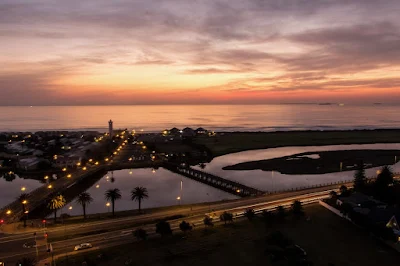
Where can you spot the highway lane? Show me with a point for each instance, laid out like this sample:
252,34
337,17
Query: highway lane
121,236
184,210
12,244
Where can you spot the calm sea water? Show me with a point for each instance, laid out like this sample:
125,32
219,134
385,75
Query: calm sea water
214,117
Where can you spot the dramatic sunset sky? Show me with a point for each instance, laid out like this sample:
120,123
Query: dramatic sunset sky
66,52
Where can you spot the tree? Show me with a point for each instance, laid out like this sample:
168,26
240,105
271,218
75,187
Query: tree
281,212
185,226
385,178
56,203
26,262
267,216
208,221
138,194
250,214
226,217
333,195
297,208
23,200
140,234
359,178
163,228
113,195
84,199
344,191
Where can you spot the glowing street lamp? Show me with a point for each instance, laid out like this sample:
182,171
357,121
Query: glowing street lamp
97,186
8,212
70,208
84,168
96,163
49,186
64,169
25,202
46,177
23,188
69,175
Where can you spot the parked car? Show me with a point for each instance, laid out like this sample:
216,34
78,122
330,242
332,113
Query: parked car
83,246
29,245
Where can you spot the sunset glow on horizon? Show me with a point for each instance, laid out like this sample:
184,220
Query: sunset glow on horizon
199,52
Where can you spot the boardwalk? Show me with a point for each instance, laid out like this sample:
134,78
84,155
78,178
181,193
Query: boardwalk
214,181
39,197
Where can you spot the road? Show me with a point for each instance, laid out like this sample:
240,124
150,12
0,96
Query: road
109,233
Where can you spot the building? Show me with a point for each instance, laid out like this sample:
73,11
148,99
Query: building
110,128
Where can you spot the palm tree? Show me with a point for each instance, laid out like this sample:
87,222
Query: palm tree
113,195
139,193
84,199
23,200
56,203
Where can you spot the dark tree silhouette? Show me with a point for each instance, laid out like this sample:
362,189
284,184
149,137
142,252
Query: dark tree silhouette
344,191
281,212
138,194
84,199
140,234
26,262
385,178
185,226
267,216
297,209
163,228
208,221
226,217
113,195
250,214
359,178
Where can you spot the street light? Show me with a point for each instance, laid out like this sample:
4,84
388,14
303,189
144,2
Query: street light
108,205
70,208
97,186
25,202
23,188
69,175
8,212
50,186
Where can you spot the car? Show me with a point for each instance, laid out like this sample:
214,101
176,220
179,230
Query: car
83,246
29,245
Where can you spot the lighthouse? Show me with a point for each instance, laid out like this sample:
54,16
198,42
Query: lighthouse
110,128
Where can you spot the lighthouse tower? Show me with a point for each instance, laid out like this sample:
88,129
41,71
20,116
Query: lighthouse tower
110,128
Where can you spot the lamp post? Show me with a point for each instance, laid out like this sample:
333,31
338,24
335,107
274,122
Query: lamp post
108,205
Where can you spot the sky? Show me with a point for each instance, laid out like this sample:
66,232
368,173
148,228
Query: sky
57,52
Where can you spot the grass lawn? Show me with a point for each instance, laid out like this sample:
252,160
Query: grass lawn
326,238
241,141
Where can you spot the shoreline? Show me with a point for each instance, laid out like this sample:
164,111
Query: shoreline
233,142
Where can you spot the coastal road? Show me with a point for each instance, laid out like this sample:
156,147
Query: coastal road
11,246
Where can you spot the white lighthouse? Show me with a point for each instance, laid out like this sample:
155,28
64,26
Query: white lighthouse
110,128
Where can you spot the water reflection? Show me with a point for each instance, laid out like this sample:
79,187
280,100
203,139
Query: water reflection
164,189
274,181
12,185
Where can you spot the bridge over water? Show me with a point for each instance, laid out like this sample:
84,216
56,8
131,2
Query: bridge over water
229,186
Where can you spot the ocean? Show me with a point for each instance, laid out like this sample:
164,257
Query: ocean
154,118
